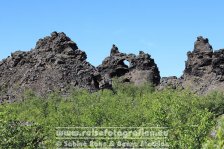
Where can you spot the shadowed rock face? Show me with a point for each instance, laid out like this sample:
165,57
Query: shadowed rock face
140,69
204,69
55,63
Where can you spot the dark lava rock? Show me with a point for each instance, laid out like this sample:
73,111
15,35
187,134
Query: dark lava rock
170,82
55,63
130,68
204,70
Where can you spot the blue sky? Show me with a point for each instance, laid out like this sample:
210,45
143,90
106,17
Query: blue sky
164,29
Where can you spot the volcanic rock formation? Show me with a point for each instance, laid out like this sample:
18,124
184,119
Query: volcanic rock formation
138,70
55,63
204,70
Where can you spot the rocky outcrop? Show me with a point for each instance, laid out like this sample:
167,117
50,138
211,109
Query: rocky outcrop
204,70
170,82
55,63
130,68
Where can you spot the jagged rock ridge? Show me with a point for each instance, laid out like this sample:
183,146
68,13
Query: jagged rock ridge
139,69
204,69
56,63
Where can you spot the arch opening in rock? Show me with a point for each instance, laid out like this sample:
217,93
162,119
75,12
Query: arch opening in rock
127,63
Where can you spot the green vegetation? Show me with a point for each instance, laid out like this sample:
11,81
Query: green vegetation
189,117
216,138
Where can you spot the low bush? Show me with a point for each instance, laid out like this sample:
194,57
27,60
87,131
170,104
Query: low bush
188,117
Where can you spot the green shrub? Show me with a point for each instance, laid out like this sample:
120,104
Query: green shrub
189,117
16,134
216,137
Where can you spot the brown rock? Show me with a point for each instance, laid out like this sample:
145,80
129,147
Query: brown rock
54,64
204,70
141,68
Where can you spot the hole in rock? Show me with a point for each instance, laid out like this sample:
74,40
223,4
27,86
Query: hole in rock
127,63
